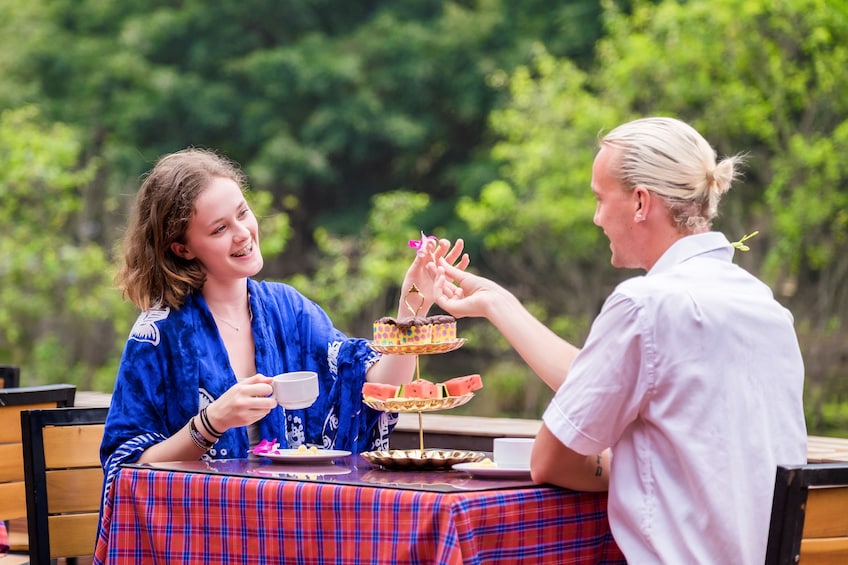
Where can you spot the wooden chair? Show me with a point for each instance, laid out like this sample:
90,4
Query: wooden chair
809,516
64,480
12,490
10,376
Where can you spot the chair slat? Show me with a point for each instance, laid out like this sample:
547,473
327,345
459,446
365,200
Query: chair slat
825,514
11,462
84,439
74,490
10,420
18,541
13,496
72,534
824,551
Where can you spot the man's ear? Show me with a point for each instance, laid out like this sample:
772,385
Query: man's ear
180,250
642,202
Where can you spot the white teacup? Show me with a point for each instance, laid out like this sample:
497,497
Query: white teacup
297,389
513,452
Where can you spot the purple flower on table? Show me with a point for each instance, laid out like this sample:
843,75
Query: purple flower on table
266,446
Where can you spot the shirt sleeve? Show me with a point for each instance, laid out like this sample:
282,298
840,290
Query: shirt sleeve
608,381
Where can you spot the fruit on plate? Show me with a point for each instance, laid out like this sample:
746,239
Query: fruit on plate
420,389
459,386
380,391
424,389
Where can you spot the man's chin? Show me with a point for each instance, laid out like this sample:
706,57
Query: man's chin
615,262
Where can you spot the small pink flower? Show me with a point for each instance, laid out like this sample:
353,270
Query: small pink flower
266,446
421,245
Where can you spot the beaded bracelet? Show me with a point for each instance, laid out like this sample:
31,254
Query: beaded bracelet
199,440
204,420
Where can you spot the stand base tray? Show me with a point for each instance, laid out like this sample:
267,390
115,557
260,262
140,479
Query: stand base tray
421,458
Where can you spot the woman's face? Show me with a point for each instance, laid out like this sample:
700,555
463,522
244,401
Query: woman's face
223,234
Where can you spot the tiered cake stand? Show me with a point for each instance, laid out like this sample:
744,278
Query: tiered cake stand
419,458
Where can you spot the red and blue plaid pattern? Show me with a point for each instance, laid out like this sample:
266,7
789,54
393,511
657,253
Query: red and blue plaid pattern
173,517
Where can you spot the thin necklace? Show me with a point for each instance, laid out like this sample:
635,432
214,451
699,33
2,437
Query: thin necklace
232,325
217,317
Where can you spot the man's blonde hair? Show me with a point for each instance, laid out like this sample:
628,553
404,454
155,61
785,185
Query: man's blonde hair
672,160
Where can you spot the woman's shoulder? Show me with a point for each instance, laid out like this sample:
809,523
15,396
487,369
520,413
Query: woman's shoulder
286,302
148,326
153,324
276,291
269,287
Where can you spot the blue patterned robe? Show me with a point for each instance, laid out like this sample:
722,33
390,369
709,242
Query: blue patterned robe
175,363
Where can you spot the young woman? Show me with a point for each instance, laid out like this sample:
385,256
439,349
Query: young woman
195,376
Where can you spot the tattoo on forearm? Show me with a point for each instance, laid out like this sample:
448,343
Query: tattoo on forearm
599,470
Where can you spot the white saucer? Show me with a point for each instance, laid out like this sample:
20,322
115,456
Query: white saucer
492,472
297,456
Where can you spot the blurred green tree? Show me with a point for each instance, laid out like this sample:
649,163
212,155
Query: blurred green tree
752,76
367,122
57,313
325,103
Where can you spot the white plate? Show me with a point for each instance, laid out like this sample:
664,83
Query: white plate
489,471
420,349
297,456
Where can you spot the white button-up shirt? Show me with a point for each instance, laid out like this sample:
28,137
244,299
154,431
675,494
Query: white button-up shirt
693,375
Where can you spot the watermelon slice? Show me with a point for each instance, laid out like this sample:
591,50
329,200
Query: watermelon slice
420,389
459,386
379,391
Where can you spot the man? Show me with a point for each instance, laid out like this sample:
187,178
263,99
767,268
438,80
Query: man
688,391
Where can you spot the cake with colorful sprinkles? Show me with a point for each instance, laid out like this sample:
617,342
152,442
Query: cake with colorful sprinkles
444,328
403,331
414,330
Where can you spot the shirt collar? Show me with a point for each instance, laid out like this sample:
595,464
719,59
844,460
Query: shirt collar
711,243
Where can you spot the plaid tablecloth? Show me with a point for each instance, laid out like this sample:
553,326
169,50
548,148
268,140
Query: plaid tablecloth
176,517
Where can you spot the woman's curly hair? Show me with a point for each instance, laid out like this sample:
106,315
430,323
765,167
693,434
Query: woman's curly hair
152,274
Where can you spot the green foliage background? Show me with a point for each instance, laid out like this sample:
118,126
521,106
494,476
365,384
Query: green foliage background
362,123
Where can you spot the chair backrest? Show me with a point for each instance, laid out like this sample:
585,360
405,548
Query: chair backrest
809,520
12,490
10,376
64,480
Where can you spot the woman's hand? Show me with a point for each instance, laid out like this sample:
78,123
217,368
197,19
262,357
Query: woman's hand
422,274
244,403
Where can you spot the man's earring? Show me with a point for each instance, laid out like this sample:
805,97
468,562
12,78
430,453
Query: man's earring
639,216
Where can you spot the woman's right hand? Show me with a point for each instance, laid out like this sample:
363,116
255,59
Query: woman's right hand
244,403
421,274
